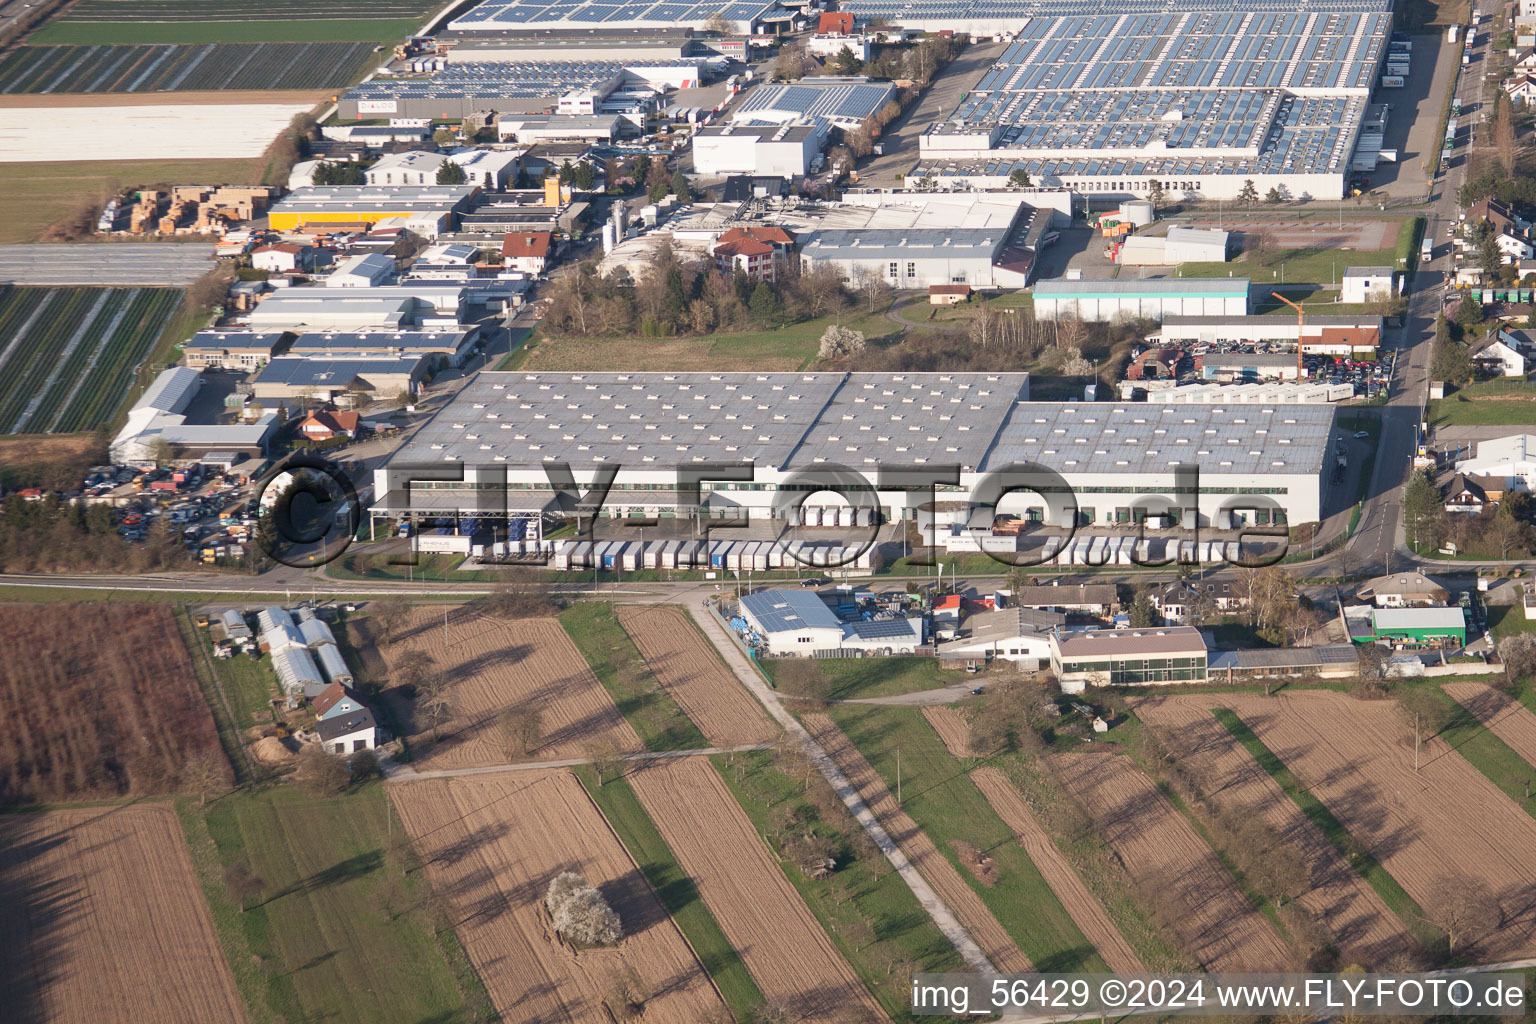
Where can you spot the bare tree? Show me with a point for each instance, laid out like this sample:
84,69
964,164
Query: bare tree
322,773
838,341
433,705
203,773
1373,660
389,614
1464,907
605,759
520,730
413,669
1518,652
242,884
579,912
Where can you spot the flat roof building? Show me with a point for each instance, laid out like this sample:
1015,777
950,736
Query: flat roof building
783,151
735,15
323,205
1128,657
845,102
326,379
160,415
1152,299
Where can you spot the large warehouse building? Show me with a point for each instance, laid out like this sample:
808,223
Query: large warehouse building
492,451
762,151
1198,96
745,16
1153,298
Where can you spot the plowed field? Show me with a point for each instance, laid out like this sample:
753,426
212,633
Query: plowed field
1447,818
1509,720
952,729
1339,898
942,875
779,941
1057,872
492,665
694,676
1162,851
103,921
491,844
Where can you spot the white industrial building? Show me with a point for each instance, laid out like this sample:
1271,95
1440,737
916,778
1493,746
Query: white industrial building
1180,245
986,244
786,151
1362,284
1151,299
1199,97
490,452
488,168
1018,635
1510,460
528,129
798,622
160,415
368,270
1128,657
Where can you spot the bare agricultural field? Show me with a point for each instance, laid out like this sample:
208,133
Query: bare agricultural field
694,675
952,729
491,665
1163,853
779,941
1507,719
1057,872
492,843
1445,820
96,720
945,879
1340,899
104,921
146,132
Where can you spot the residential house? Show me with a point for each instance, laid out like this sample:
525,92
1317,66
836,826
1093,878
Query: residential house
1018,635
527,251
1501,354
348,733
284,258
1405,590
756,251
1465,494
323,424
1183,602
337,701
1520,87
1091,600
414,167
948,294
1512,231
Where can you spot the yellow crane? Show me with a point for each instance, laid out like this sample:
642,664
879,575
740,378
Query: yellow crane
1301,318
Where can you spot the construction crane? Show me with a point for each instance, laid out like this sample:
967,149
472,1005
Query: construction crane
1301,319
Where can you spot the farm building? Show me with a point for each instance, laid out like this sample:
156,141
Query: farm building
160,415
1404,590
1326,661
784,151
321,206
235,626
349,733
297,674
278,630
1196,98
1118,459
1128,657
1019,635
1152,299
792,621
1093,599
1409,627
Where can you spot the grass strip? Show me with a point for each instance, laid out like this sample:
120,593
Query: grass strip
1352,850
618,665
638,833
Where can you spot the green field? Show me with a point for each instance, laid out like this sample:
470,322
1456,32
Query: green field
942,800
845,678
69,356
165,67
1311,265
617,663
1499,403
340,931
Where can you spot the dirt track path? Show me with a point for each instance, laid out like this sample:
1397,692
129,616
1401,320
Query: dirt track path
781,944
1162,852
693,674
1507,719
1444,821
931,864
1360,922
1089,917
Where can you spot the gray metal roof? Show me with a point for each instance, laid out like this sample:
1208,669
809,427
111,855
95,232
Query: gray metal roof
838,100
783,611
301,371
1160,287
883,629
1283,657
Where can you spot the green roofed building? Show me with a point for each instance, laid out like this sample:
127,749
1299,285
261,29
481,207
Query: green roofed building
1412,627
1154,298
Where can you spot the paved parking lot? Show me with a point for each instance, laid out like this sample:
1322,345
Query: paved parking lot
146,264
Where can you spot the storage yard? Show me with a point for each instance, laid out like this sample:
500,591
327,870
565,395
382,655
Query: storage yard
778,939
100,720
1357,758
695,677
150,68
491,665
104,921
1170,862
492,844
69,356
1338,897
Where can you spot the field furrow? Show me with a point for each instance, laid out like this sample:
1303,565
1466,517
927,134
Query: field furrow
778,939
1058,873
952,729
943,876
491,844
692,672
1507,719
1339,898
1172,864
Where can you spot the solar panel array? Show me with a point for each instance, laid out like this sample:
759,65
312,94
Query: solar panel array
1005,15
837,102
506,79
496,14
